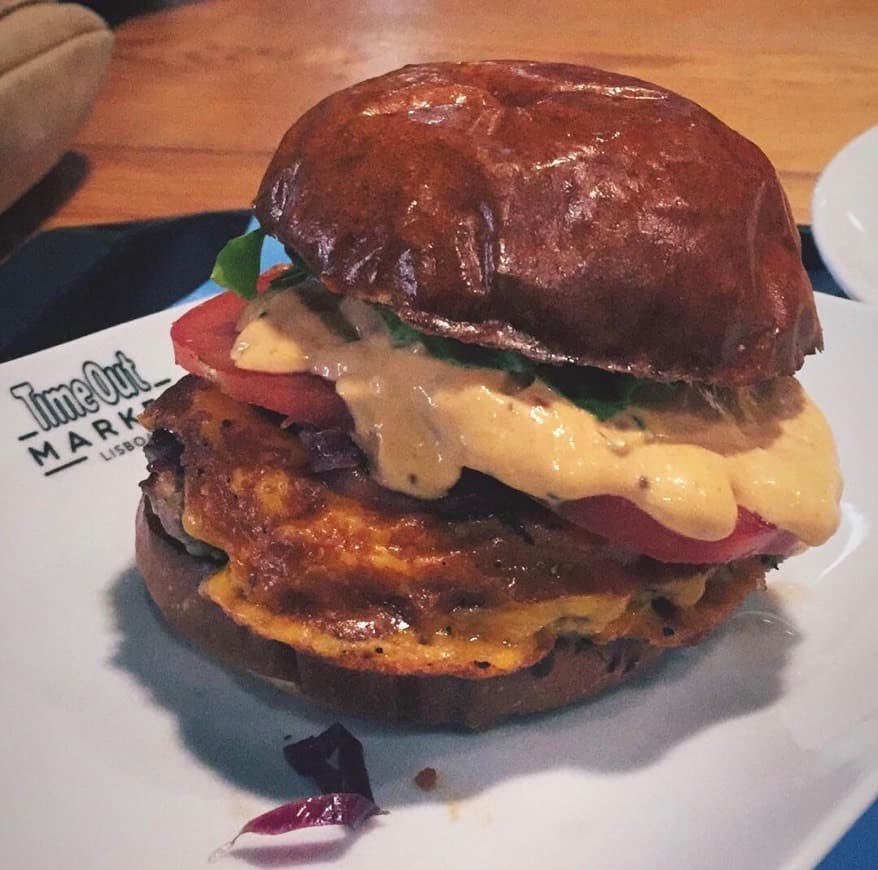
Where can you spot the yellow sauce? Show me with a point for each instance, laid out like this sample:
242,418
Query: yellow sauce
686,463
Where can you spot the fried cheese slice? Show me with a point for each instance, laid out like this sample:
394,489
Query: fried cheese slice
376,587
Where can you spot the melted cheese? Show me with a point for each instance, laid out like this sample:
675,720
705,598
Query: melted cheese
503,639
686,463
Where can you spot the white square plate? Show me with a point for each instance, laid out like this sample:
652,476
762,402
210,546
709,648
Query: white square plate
124,748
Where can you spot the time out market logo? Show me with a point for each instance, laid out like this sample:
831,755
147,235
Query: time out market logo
93,415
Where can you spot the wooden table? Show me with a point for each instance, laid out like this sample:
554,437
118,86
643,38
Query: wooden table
197,97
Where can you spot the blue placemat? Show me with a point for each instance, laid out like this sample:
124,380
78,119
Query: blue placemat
74,281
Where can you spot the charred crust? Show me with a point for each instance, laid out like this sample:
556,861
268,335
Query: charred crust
544,667
632,662
613,662
663,607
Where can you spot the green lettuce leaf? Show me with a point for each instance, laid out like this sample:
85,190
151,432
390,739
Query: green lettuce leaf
603,394
455,352
401,334
237,265
473,356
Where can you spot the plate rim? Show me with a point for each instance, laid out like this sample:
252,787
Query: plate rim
847,276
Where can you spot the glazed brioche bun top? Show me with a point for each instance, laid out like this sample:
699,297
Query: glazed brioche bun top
564,212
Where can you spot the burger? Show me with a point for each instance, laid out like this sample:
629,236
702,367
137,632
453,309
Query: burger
518,415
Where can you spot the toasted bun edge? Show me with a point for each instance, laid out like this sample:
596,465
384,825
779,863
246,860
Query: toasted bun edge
563,212
573,670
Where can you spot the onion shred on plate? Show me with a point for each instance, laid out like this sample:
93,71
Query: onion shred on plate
346,794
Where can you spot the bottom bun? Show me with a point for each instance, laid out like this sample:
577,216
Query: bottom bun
574,669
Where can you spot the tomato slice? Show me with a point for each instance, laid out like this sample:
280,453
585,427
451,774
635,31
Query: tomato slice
203,338
263,282
622,522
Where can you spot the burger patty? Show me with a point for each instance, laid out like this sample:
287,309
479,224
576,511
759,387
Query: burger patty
332,565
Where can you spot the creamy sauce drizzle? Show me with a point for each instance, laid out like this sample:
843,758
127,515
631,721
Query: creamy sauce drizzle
687,464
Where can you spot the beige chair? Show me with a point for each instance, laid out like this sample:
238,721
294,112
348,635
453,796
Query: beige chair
52,59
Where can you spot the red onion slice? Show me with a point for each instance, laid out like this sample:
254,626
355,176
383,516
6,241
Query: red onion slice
347,794
312,756
330,449
350,810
